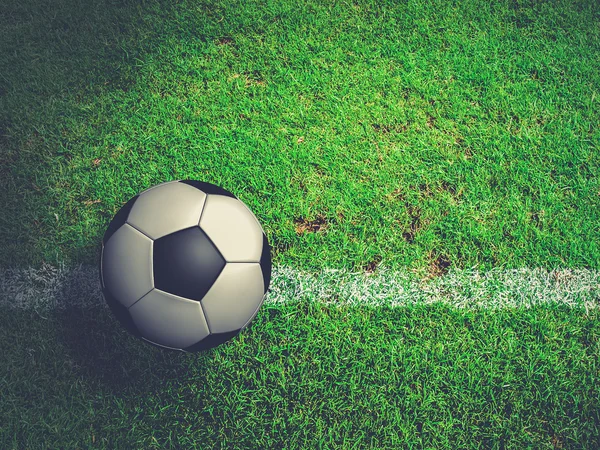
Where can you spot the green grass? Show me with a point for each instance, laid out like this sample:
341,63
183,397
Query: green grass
309,376
419,135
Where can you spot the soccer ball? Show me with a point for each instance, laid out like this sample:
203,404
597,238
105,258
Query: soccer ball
185,265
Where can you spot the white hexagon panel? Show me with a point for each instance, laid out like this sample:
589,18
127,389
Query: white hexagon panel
234,297
171,321
127,252
167,208
233,228
185,265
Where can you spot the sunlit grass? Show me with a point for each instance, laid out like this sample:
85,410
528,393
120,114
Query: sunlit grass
425,135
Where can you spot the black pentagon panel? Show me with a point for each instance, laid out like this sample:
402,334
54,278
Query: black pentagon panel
208,188
119,219
212,340
100,265
186,263
121,313
265,262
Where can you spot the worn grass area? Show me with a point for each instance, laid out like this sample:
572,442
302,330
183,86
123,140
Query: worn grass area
423,135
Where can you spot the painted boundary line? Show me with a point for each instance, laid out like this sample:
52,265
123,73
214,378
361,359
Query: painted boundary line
53,287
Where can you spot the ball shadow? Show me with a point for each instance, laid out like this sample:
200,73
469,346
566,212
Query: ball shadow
105,354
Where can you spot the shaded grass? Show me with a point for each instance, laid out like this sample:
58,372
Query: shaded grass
426,135
306,375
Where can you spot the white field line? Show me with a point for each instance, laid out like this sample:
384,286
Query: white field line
53,287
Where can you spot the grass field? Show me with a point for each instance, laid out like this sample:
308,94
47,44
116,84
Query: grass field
426,173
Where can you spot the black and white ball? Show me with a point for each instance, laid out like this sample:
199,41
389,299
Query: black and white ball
185,265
